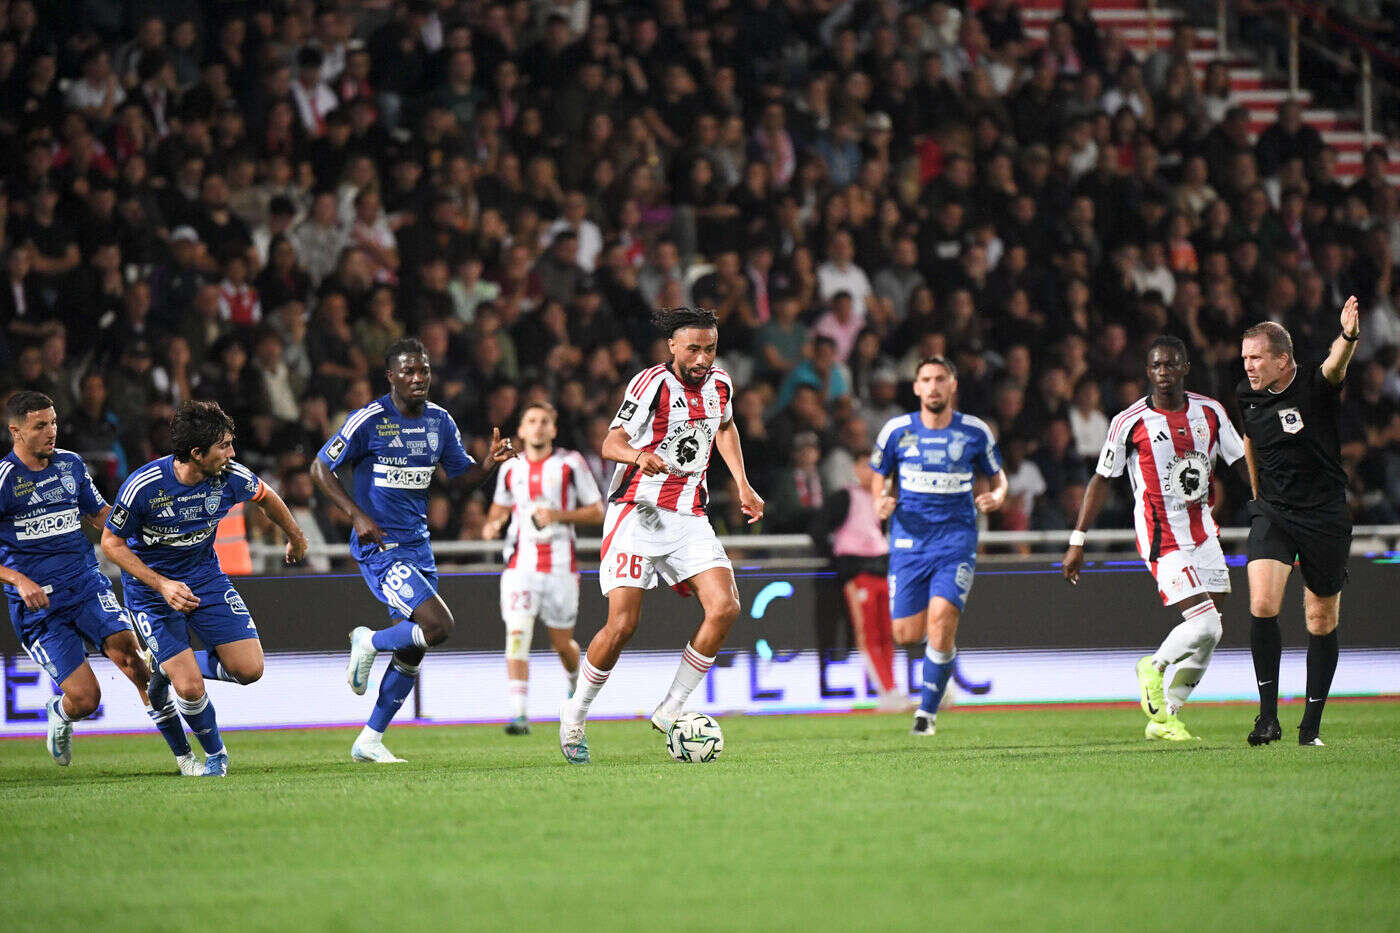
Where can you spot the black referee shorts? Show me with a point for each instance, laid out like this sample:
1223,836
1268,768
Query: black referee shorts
1321,557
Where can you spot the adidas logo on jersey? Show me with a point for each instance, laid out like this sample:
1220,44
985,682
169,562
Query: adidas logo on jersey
396,442
679,402
35,500
1161,436
166,512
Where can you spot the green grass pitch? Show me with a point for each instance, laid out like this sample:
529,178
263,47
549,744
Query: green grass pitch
1055,818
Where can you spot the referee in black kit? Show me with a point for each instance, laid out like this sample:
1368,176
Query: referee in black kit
1299,510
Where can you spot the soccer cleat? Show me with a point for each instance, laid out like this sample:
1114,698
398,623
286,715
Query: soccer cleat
362,653
520,725
59,740
924,725
1265,730
373,750
1309,737
158,689
573,741
664,718
190,766
1150,690
1170,730
216,765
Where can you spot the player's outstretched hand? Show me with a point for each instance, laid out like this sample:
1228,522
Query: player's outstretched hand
1351,314
296,549
1072,562
501,448
179,596
885,506
651,464
752,504
32,593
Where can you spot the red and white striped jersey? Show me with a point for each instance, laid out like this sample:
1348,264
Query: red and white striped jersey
560,481
1169,456
678,423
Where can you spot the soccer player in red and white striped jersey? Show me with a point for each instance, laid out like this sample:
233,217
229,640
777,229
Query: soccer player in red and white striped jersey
544,495
672,418
1168,443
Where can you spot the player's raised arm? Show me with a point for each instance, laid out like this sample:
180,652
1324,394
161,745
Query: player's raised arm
727,442
501,450
1089,509
1334,368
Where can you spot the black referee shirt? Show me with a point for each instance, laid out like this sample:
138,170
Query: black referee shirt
1297,449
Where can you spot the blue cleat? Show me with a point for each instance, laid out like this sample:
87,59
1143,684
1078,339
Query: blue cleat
159,688
216,765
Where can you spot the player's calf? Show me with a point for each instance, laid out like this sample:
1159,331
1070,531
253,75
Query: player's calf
435,620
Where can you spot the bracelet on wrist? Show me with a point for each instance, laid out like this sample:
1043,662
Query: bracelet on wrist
1351,338
1076,538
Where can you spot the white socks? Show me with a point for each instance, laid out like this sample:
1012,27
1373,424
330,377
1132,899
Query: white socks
693,668
519,691
590,681
1189,646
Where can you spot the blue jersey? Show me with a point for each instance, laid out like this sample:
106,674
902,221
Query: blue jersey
394,458
171,526
935,472
41,532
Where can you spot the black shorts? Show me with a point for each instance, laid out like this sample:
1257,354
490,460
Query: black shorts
1321,557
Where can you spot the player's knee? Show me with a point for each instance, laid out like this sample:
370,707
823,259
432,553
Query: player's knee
1262,607
1320,622
249,673
187,688
726,612
623,624
84,701
519,633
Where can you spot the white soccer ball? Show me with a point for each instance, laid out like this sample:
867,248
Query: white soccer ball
694,737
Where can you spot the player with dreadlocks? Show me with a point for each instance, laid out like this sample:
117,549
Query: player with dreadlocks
673,416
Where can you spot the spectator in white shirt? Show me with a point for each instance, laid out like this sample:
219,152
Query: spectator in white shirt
98,93
314,98
575,218
840,274
1087,421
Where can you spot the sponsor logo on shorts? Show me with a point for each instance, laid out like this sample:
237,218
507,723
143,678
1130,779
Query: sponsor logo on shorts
962,579
108,601
235,602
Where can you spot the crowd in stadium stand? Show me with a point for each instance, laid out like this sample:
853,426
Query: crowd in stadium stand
250,201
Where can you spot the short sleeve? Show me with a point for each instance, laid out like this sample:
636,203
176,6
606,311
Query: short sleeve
454,460
351,442
726,413
503,496
1231,444
988,461
1114,456
244,484
635,410
882,457
129,508
90,501
584,483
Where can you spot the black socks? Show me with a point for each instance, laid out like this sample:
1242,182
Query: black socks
1266,645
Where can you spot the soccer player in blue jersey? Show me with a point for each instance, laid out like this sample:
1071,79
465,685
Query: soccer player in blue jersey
161,534
57,595
394,445
926,464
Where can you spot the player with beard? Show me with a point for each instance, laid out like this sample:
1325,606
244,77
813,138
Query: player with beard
1167,443
1292,443
672,417
925,464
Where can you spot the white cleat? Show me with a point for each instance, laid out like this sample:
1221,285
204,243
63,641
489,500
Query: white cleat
664,718
190,766
362,654
59,740
573,738
369,746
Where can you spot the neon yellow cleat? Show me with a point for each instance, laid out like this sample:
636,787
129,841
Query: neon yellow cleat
1150,690
1172,730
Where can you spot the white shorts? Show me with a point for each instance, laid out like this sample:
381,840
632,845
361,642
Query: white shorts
550,597
642,542
1191,570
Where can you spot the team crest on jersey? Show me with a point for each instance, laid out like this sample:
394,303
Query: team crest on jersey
1200,430
1188,476
211,502
70,485
1291,419
957,443
433,440
685,446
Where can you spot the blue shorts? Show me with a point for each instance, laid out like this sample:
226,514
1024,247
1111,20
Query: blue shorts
54,636
915,578
402,577
222,616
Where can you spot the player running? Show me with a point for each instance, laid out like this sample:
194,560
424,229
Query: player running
673,416
45,494
1168,442
394,445
543,494
1293,448
937,452
161,534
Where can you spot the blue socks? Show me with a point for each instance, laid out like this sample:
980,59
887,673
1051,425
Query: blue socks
167,720
938,667
200,716
405,634
393,690
211,669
